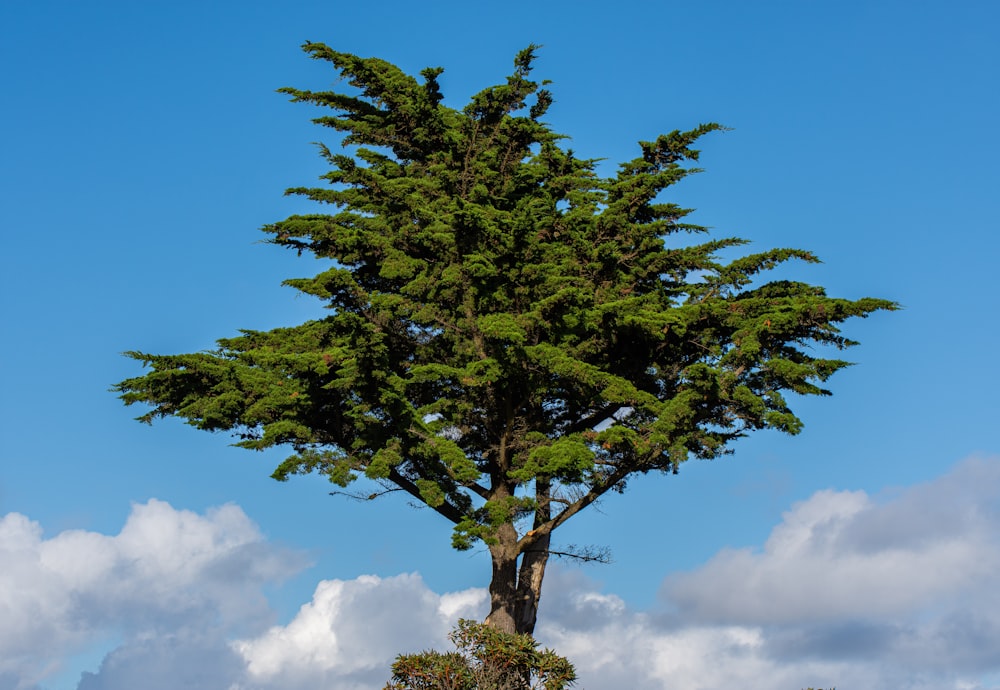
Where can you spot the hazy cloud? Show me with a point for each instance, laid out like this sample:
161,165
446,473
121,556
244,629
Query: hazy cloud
166,662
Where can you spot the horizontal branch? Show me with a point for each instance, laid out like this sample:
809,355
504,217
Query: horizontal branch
445,509
588,554
359,496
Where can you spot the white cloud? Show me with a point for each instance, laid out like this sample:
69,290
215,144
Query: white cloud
353,629
842,555
851,591
346,637
167,570
184,593
900,590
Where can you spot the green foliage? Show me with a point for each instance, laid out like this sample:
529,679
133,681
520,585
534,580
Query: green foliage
492,301
487,659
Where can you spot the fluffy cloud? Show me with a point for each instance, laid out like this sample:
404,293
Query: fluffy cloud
844,556
912,581
351,630
166,572
900,590
184,594
346,638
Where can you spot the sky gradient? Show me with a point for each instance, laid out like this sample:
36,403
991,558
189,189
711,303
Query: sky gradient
142,146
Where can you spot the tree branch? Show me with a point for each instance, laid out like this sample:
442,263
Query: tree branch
585,554
595,493
445,509
477,488
359,496
594,419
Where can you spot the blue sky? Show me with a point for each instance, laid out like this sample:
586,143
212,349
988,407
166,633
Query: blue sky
142,145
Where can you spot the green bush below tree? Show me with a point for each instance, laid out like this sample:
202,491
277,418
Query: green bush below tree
486,659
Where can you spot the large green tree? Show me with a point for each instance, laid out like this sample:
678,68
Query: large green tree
511,335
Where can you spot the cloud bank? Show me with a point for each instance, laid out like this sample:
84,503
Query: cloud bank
851,590
168,577
848,590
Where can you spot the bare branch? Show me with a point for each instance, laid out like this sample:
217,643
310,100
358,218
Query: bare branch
362,497
584,554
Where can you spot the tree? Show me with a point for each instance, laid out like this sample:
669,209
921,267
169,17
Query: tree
487,659
511,336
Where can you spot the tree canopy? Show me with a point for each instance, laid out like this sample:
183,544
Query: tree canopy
511,335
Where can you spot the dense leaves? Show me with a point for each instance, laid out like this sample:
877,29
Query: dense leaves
510,336
487,659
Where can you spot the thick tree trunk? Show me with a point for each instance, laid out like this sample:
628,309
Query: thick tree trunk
515,594
503,586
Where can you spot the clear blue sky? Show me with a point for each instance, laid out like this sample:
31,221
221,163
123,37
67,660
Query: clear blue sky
142,145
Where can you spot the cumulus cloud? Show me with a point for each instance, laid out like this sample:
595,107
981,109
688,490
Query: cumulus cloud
912,580
166,571
184,593
844,555
346,637
351,630
897,590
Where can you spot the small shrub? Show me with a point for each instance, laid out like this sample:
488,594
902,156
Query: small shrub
487,659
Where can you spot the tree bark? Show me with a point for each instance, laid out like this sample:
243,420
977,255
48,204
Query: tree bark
503,586
515,593
534,560
529,585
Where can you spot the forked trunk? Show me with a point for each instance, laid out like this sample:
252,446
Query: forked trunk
514,595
